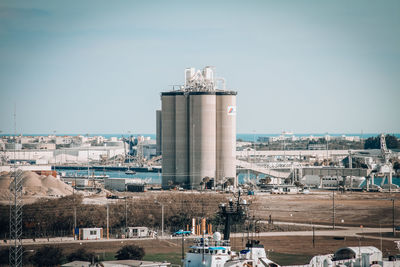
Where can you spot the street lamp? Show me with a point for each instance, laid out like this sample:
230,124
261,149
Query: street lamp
162,217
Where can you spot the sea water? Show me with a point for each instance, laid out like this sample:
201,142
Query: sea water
156,177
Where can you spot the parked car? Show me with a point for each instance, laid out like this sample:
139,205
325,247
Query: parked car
181,232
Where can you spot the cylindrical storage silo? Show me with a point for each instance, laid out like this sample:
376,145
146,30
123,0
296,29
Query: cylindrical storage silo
168,138
226,135
158,132
181,139
203,136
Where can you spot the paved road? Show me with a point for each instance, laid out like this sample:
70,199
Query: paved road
350,232
307,225
340,231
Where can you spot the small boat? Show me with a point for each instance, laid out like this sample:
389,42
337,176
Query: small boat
130,172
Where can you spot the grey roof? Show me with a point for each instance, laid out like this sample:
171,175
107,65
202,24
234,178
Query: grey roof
363,250
118,263
135,263
77,264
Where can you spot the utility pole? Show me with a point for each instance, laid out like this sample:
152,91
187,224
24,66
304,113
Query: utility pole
394,228
73,195
203,261
107,221
313,236
162,220
126,210
74,222
380,234
162,217
183,249
126,214
333,209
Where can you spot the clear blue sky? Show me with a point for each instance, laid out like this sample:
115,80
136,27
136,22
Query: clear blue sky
99,66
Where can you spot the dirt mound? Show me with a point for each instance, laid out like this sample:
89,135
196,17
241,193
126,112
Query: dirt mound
4,186
36,185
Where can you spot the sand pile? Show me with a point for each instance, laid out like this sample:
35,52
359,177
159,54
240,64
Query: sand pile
35,185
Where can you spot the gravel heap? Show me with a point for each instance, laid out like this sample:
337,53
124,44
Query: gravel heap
35,185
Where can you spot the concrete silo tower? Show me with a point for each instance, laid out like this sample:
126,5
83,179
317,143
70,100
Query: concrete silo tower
197,131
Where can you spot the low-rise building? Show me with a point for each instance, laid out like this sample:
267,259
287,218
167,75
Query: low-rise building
90,233
121,184
131,232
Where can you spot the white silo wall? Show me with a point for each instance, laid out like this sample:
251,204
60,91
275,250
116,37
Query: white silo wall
203,137
181,139
168,139
226,136
158,132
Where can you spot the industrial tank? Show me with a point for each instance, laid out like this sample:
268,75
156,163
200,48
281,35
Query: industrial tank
198,131
202,137
226,135
168,138
158,132
181,138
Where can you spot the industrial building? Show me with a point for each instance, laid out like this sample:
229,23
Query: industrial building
125,184
196,131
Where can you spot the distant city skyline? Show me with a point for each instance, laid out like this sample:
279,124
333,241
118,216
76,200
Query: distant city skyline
301,66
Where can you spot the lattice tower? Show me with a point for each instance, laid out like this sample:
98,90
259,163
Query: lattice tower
16,204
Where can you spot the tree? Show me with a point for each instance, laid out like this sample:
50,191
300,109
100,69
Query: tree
204,181
130,252
392,142
4,256
170,183
372,143
228,182
396,166
48,256
375,142
81,255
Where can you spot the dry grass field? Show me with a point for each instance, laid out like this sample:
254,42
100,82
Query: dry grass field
354,208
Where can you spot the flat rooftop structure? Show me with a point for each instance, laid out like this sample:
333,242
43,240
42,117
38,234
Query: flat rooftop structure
182,92
296,153
131,263
335,172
